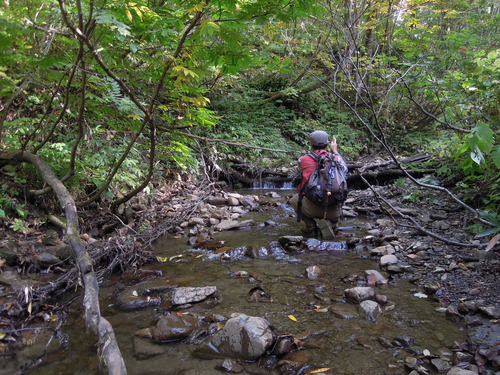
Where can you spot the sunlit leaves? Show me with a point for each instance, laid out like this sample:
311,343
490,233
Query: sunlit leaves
209,27
185,73
106,18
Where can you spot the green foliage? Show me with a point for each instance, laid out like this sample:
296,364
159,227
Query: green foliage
19,226
216,81
482,230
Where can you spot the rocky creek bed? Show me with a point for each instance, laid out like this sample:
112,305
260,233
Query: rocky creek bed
237,289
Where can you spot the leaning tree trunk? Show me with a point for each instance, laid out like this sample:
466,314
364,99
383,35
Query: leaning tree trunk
108,346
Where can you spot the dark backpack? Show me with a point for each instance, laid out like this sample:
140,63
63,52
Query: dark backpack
328,183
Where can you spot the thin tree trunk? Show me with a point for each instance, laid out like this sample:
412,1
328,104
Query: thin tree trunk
108,346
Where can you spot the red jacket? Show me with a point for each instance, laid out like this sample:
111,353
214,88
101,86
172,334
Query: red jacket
308,166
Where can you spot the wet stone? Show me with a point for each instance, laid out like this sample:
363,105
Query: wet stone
233,224
290,240
490,311
217,201
379,278
14,280
233,201
382,250
313,272
404,341
174,327
45,260
388,260
460,371
231,365
344,310
312,244
245,337
62,251
440,365
184,295
144,349
369,310
360,293
461,357
487,334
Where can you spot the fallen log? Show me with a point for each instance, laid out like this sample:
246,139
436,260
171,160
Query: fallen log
385,175
108,346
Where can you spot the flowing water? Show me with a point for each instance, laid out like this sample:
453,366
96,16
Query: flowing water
310,310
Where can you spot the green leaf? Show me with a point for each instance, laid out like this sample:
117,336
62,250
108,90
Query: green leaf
485,137
495,155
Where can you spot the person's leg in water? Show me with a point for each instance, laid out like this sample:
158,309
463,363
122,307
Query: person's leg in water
310,224
333,215
327,220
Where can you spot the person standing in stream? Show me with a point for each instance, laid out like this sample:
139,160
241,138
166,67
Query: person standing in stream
310,211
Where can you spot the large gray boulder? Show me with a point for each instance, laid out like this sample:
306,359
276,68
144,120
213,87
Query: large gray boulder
244,337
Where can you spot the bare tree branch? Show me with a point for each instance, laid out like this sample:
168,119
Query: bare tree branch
97,323
415,223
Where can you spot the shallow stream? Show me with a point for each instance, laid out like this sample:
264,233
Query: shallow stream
311,310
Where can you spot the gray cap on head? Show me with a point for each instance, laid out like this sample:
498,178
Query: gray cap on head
319,137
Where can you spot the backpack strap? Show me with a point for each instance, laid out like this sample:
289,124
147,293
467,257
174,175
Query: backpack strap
315,156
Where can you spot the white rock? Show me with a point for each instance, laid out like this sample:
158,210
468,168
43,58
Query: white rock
388,259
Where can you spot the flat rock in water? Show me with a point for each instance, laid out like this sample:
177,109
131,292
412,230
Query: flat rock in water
144,348
313,244
184,295
285,240
244,337
175,327
376,275
233,224
344,310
